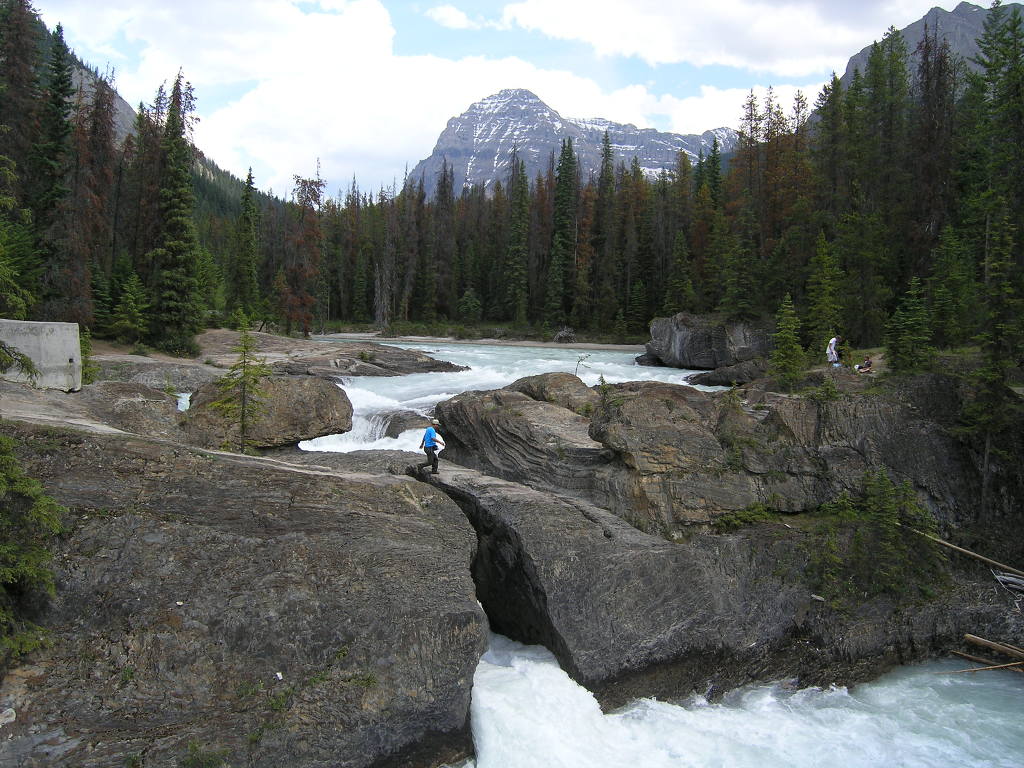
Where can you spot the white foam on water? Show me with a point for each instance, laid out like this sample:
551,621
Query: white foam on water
527,713
374,398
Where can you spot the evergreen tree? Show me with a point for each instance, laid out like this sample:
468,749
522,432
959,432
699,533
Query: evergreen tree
19,87
470,309
128,321
241,396
953,292
908,332
993,411
304,252
64,284
29,521
241,274
516,285
679,293
823,296
174,320
786,362
637,319
562,266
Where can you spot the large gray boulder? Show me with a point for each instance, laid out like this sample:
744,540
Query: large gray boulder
165,375
132,407
705,341
295,408
329,359
562,389
276,614
668,457
629,614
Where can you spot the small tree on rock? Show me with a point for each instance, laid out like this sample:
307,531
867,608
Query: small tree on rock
241,396
908,332
787,358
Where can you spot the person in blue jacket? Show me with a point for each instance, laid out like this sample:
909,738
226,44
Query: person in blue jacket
430,444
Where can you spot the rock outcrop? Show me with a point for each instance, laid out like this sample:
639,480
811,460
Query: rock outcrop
295,408
705,341
731,375
266,612
132,407
629,614
329,359
666,457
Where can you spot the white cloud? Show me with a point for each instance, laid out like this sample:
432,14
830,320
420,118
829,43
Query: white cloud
308,81
451,17
792,38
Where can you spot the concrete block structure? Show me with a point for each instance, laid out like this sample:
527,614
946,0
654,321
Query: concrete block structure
53,347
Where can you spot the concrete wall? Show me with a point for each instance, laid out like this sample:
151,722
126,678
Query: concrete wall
54,349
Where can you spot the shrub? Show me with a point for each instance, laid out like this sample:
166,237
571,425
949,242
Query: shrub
29,520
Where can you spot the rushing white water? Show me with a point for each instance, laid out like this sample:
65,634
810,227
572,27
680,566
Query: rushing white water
527,713
374,398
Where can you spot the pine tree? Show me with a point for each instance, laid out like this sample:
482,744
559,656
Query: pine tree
19,88
305,250
679,293
786,362
993,411
64,284
29,521
128,320
174,319
242,397
515,261
908,332
241,274
470,309
637,318
953,292
823,296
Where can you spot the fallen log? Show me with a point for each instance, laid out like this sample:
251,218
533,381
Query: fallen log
983,669
983,660
961,550
1007,650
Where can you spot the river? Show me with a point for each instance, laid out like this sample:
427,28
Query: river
527,713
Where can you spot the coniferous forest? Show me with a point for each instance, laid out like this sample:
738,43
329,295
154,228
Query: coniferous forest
889,209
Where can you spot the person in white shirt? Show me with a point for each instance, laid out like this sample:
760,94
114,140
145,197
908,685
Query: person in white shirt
832,352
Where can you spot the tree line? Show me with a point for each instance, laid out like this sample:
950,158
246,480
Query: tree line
904,181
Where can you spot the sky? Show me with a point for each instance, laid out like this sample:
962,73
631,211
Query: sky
361,89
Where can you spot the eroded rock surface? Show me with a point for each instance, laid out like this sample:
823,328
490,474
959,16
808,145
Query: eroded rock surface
329,359
629,614
295,408
705,341
274,613
667,456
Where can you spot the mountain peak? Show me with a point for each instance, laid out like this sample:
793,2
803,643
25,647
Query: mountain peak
477,145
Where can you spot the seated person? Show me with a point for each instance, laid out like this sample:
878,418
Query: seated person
864,367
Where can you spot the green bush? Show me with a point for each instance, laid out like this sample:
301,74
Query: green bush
29,521
867,546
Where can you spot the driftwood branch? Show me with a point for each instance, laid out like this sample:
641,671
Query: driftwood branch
987,662
1007,650
982,669
975,555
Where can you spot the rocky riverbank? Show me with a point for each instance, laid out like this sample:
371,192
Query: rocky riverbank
310,609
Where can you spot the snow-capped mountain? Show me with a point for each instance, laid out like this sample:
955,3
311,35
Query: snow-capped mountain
478,143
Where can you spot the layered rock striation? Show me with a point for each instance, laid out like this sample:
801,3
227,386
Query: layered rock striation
705,341
629,614
667,457
269,613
